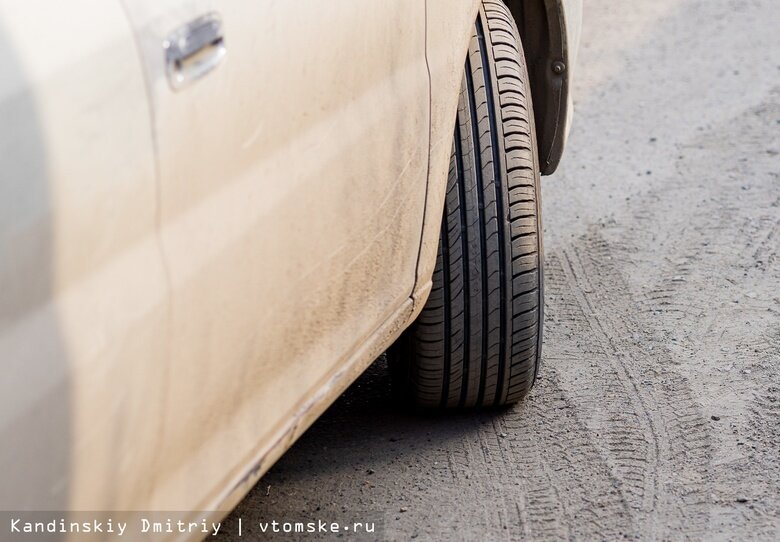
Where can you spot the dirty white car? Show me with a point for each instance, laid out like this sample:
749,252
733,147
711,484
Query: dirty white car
215,214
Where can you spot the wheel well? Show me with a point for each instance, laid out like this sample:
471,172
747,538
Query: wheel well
542,30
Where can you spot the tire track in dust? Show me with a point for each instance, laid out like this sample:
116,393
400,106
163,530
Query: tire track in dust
765,253
764,430
566,453
610,399
708,249
496,470
541,473
682,447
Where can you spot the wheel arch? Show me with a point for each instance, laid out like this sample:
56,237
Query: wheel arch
549,30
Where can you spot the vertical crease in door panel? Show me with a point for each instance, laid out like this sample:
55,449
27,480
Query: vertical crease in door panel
158,222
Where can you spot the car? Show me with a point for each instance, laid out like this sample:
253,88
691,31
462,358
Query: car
215,215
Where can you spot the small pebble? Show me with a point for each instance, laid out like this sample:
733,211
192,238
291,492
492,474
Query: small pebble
715,418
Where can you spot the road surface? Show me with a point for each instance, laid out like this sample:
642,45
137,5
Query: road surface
657,413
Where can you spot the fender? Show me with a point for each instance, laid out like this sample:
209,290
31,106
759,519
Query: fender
550,31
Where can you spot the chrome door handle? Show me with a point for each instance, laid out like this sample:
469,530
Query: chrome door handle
194,50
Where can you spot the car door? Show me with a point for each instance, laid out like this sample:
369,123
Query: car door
83,296
292,150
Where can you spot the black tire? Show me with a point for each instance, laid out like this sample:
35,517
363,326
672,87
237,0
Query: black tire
478,339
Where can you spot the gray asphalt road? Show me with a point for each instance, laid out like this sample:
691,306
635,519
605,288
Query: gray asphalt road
657,416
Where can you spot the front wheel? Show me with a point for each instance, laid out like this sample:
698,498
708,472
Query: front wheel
477,341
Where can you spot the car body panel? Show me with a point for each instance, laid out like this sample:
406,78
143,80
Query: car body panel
549,30
188,286
568,16
77,242
572,20
290,218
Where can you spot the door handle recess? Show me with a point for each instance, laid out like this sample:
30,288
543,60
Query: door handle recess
194,50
